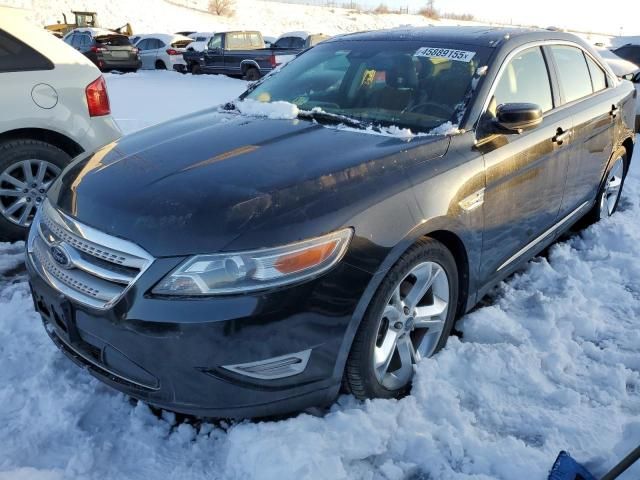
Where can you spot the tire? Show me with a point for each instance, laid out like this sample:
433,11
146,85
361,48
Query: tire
195,69
252,74
160,65
12,155
361,377
610,192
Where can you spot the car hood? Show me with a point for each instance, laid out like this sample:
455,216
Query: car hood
195,184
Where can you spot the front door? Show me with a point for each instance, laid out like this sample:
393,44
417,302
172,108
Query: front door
214,55
525,173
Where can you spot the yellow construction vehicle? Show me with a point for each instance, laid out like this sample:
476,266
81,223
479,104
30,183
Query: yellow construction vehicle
84,20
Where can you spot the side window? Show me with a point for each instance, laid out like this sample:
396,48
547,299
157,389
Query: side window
525,80
85,40
16,56
75,40
598,77
215,42
69,39
573,72
297,42
630,53
143,44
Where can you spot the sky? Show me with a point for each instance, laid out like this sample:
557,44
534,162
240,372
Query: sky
621,17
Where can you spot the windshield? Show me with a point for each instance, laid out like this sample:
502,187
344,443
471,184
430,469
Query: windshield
404,83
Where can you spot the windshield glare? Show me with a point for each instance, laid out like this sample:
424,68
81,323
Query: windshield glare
387,83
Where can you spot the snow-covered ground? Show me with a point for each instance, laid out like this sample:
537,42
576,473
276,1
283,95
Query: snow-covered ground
551,362
271,18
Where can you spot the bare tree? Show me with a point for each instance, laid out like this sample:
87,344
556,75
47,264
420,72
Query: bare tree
430,10
222,8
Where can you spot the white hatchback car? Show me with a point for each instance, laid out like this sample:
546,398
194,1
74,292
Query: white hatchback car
55,106
162,51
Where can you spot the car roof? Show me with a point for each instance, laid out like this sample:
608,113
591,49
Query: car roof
167,37
299,34
471,35
94,31
15,22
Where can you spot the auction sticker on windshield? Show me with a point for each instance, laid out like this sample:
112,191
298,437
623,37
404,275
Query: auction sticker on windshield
448,53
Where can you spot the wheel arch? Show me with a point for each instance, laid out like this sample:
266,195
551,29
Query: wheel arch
245,65
64,143
628,146
444,230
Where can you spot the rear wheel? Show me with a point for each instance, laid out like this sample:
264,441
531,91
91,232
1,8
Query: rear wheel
611,190
27,170
160,65
195,69
252,74
410,318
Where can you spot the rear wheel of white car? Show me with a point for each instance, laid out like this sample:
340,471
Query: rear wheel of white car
27,170
410,318
160,65
252,74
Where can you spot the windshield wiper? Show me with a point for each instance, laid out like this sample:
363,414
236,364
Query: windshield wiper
335,118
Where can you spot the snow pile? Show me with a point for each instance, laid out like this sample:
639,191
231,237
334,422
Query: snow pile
273,110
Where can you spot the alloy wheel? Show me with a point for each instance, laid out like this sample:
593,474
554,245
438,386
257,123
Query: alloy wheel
612,189
411,324
23,187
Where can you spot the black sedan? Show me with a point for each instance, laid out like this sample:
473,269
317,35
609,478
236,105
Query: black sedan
326,229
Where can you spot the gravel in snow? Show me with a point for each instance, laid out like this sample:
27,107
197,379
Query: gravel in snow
551,362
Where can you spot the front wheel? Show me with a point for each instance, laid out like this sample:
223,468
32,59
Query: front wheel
410,318
27,170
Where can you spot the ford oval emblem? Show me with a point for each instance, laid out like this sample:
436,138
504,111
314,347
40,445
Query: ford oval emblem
60,256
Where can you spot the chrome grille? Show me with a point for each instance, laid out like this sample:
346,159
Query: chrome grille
91,267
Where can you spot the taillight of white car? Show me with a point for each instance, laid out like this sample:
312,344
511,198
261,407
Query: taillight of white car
98,98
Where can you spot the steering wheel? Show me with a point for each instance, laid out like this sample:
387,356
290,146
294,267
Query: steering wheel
445,109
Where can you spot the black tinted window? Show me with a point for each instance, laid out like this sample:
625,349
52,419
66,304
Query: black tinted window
113,40
283,42
525,80
15,56
297,42
573,72
598,77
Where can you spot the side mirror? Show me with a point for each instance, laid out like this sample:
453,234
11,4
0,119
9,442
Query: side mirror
515,118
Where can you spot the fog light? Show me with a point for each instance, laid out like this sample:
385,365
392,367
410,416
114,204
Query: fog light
275,367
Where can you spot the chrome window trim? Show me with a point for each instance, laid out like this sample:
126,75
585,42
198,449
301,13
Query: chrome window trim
611,82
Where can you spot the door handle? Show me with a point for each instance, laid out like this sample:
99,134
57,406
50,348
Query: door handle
614,111
561,135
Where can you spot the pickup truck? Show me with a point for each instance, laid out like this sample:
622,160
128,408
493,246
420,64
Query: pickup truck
237,53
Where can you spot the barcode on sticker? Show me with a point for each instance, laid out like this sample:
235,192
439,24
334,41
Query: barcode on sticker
449,54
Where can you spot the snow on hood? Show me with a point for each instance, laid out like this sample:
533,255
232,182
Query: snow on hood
273,110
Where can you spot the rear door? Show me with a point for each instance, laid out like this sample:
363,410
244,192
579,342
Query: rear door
586,92
148,51
525,173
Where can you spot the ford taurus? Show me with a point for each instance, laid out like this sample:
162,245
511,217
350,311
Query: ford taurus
325,230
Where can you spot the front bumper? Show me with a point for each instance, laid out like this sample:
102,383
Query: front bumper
171,352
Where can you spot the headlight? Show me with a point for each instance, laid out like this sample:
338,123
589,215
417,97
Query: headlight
226,273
